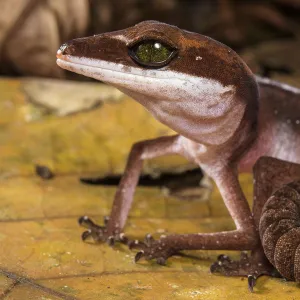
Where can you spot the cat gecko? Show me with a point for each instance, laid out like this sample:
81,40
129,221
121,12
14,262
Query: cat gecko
228,121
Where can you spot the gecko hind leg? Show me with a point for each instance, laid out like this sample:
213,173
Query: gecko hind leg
269,175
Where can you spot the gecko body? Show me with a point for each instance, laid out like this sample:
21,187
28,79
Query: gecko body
225,117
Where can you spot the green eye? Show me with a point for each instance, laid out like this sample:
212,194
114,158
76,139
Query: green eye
152,53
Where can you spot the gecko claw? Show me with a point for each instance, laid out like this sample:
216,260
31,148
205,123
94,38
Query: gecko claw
101,233
105,220
251,282
138,256
159,250
86,222
250,267
161,261
135,244
148,239
224,258
123,239
86,234
111,241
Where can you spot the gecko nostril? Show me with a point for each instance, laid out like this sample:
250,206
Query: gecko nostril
63,48
66,49
61,51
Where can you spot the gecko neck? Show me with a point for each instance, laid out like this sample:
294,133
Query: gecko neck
203,115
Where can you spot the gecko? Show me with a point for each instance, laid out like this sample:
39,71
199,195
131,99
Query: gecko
227,121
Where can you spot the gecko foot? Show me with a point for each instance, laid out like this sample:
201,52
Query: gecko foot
152,249
246,266
100,233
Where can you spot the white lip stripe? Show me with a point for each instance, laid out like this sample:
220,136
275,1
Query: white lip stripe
153,73
118,74
181,101
175,87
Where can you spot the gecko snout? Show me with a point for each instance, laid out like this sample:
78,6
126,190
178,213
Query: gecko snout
61,50
72,48
80,47
98,47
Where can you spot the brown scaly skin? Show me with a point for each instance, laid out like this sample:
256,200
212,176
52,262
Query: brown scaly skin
276,213
279,220
207,94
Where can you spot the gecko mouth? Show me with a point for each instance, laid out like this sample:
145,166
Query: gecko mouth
116,73
87,66
80,68
79,64
132,77
210,100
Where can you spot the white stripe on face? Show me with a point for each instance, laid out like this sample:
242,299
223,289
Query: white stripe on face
157,83
173,98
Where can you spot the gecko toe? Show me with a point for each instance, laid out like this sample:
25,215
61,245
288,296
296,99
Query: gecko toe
247,266
224,258
111,241
86,222
148,239
222,265
100,233
161,261
138,256
86,234
135,244
251,282
158,250
123,239
105,220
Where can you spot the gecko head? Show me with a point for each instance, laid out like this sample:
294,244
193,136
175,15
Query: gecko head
138,50
150,49
176,74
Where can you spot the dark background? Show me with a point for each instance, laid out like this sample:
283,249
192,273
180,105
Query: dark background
266,33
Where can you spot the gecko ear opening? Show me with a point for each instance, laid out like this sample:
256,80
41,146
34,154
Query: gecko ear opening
152,53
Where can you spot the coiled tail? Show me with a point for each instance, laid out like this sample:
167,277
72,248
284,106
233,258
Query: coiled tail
279,230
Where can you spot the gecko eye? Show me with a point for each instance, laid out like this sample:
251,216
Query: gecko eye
151,53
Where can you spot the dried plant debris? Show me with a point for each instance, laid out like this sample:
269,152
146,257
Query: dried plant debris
44,172
67,97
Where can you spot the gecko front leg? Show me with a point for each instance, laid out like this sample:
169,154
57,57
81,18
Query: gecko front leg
112,229
245,237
